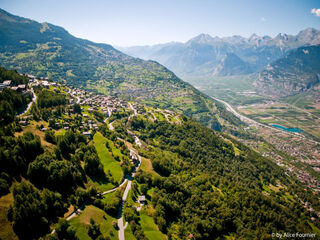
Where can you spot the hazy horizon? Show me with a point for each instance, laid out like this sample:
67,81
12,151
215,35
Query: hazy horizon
127,23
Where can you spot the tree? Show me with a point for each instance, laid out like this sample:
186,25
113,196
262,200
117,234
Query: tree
59,175
4,187
64,231
77,108
6,113
93,166
144,189
50,137
48,98
30,146
28,212
94,229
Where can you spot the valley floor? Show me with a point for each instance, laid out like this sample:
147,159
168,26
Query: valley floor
297,152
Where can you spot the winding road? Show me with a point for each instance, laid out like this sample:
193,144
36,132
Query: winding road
34,99
133,109
128,180
124,198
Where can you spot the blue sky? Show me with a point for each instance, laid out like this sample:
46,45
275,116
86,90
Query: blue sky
145,22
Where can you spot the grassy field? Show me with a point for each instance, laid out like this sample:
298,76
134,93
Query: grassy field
108,197
60,132
32,128
102,185
82,222
6,230
146,166
160,116
149,228
108,161
299,100
284,115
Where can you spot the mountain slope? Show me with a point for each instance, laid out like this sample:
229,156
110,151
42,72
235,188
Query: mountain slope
231,64
202,54
195,180
45,50
297,72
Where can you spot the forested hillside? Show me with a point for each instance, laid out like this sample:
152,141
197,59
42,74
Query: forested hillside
213,187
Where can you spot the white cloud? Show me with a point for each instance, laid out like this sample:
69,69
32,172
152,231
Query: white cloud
316,11
263,19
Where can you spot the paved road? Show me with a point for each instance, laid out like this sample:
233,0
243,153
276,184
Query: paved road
110,126
124,198
125,194
78,100
34,99
134,110
120,217
128,179
75,213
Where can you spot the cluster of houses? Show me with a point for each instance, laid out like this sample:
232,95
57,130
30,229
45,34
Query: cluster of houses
25,120
303,176
107,104
33,81
306,178
8,84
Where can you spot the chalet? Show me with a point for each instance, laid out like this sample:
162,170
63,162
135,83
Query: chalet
44,129
133,156
85,115
66,128
2,86
87,134
31,76
142,199
23,123
27,117
14,88
7,82
21,87
45,84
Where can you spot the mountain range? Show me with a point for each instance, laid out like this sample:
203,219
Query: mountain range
297,72
46,50
205,55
